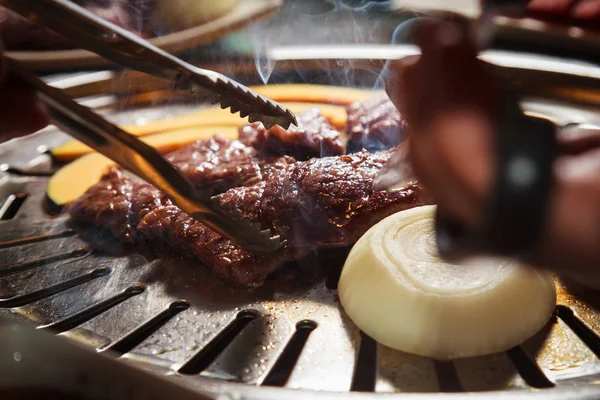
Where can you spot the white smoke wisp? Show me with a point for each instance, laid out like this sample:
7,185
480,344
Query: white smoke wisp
303,24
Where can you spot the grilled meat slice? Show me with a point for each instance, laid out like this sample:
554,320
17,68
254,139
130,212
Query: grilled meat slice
108,204
327,202
216,163
374,124
221,164
313,137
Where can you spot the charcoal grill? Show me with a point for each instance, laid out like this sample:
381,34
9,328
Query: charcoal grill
177,321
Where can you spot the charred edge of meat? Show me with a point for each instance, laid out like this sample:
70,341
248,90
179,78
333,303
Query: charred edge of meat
320,203
313,137
374,125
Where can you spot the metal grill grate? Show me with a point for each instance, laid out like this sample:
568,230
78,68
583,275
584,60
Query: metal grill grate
175,318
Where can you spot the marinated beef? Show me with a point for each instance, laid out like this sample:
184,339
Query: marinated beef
216,163
108,204
221,164
313,137
326,202
374,124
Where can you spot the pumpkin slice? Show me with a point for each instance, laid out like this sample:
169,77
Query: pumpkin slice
72,180
163,142
314,93
217,116
208,120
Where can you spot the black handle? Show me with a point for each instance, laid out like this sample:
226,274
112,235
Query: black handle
516,212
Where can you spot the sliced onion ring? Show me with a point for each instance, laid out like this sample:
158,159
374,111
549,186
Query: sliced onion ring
397,290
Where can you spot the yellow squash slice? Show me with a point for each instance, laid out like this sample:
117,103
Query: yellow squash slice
72,180
163,142
203,121
314,93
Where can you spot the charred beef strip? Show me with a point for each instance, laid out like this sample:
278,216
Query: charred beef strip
374,124
216,163
313,137
108,204
320,203
220,164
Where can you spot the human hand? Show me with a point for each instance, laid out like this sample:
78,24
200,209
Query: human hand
21,112
448,97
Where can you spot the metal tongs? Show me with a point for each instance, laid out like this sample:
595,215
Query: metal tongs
124,48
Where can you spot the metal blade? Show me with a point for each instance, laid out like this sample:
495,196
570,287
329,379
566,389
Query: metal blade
218,89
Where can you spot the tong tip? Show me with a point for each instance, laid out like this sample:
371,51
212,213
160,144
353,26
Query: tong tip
246,233
239,98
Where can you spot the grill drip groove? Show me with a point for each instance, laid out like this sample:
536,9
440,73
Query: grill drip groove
10,207
589,337
528,368
146,329
27,172
218,344
281,371
365,370
25,266
92,311
21,300
447,377
37,238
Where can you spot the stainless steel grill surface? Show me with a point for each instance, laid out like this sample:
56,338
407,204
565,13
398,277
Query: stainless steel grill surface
174,318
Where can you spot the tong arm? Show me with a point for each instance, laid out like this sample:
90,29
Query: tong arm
147,163
125,48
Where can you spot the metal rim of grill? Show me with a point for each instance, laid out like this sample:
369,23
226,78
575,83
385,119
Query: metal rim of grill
174,318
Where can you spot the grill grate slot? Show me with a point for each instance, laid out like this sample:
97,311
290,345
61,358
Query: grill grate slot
18,301
201,360
10,207
334,259
94,310
25,266
281,371
448,380
28,172
37,238
365,369
528,368
589,337
146,329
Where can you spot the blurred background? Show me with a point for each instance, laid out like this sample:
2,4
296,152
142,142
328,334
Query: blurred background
240,38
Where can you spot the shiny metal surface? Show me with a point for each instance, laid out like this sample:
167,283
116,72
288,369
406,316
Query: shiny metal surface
175,320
